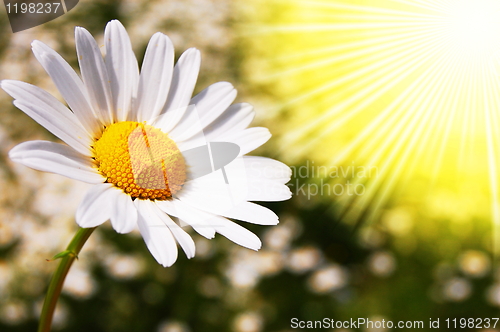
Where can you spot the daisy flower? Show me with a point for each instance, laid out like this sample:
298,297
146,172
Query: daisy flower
146,144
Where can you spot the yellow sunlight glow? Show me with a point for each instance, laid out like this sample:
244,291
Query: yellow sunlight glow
475,25
411,87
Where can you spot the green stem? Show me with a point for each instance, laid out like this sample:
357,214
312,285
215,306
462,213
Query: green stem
56,283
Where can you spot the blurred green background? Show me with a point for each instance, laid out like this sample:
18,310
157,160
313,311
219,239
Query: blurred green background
411,263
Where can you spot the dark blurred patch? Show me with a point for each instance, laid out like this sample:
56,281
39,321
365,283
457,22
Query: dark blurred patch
25,15
93,15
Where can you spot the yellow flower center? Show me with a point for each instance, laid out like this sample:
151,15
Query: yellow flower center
141,160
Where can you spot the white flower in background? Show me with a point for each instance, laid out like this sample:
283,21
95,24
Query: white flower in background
129,134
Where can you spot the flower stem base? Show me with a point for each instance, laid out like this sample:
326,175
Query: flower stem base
67,257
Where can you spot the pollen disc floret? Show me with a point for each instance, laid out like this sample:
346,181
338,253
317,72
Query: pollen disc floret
141,160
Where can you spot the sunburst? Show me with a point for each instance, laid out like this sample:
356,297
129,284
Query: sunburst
409,86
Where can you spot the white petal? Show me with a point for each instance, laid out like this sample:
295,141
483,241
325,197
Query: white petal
155,233
188,129
212,189
123,70
214,100
155,77
95,208
177,106
201,222
235,118
209,104
42,107
167,121
231,230
94,74
253,213
214,200
266,168
238,234
123,212
263,179
185,241
267,191
205,199
245,211
55,158
183,82
248,139
69,84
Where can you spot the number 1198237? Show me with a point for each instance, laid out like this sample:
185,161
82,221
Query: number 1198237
34,8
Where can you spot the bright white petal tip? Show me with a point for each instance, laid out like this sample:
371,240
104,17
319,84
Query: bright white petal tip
238,234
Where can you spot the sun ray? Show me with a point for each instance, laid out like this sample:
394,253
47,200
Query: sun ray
395,69
413,121
492,134
411,140
408,86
